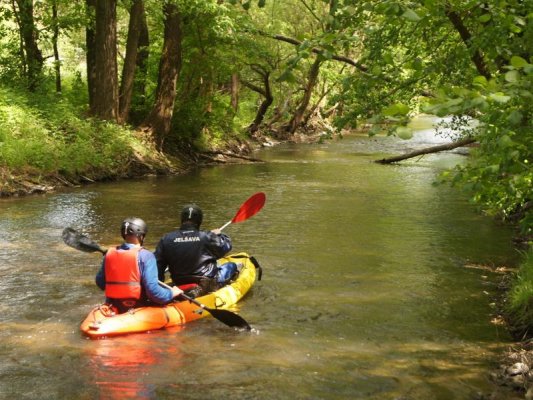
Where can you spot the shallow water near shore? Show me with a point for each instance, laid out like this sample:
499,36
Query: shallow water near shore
365,294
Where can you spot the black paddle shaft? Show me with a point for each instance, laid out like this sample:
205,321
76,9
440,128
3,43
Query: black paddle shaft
231,319
225,316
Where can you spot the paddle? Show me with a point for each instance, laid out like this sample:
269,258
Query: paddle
82,242
248,209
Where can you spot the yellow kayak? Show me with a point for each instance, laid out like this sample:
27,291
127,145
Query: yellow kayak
102,321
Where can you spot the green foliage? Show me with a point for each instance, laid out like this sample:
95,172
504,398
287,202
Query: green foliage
403,51
246,4
45,135
499,174
520,297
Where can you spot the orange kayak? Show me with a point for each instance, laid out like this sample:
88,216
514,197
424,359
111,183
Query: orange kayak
103,322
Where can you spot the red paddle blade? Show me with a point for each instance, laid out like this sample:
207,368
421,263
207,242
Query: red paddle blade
250,207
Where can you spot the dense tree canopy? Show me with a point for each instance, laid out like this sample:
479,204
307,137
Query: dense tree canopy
197,72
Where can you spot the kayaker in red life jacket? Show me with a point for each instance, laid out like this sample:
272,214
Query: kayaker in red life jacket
191,254
128,274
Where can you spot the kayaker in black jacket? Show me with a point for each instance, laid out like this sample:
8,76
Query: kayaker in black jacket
191,254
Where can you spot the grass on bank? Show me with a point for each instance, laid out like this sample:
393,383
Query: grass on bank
520,297
48,135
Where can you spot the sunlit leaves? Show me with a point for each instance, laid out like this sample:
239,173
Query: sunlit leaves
500,97
518,62
515,117
396,110
480,81
411,15
484,18
287,76
246,4
512,76
403,132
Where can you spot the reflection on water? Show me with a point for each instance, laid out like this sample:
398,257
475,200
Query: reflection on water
365,293
129,367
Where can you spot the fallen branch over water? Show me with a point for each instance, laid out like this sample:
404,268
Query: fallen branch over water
427,150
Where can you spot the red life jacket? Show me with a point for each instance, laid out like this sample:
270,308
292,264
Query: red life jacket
122,274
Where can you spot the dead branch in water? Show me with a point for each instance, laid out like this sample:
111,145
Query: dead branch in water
427,150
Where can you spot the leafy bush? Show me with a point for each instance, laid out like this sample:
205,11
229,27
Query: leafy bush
46,135
499,174
520,297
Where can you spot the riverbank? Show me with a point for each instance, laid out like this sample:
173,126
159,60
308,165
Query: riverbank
149,162
100,152
515,369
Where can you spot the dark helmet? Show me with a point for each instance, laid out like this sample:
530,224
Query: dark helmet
133,226
193,213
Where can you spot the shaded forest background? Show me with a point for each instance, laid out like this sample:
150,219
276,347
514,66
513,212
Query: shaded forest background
99,83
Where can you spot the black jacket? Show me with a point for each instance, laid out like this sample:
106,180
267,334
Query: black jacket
189,251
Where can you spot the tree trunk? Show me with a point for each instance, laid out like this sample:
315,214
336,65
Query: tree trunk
130,60
298,116
21,39
160,118
279,111
428,150
106,84
235,92
315,108
142,58
34,58
90,10
55,37
265,104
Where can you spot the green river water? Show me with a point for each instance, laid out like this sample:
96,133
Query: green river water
370,288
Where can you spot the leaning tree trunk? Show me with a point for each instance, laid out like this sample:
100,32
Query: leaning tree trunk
106,83
34,58
160,118
130,60
298,116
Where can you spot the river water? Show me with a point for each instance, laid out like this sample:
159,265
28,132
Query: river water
372,284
